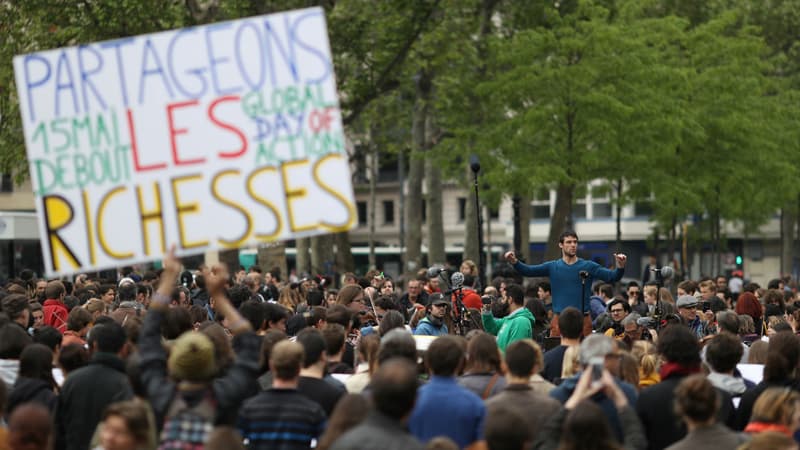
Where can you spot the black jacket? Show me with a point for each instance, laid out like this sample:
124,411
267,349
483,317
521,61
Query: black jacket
230,390
31,390
656,412
85,395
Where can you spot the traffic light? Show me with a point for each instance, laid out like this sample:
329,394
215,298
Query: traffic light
739,261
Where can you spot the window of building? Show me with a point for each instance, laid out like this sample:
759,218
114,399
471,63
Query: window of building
579,199
6,183
362,213
601,210
462,209
541,203
388,212
643,208
601,201
541,211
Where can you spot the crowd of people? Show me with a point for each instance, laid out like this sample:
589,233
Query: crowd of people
230,359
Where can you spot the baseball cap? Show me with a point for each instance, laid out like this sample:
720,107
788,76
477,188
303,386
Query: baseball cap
437,299
686,301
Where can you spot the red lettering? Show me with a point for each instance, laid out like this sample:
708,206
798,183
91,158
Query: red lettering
135,148
173,132
241,151
320,120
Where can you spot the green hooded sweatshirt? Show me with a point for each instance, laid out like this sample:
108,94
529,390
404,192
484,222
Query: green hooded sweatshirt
517,325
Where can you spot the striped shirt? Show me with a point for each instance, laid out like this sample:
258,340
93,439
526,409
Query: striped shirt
281,419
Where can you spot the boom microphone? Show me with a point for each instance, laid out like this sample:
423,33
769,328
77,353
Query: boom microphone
665,272
434,271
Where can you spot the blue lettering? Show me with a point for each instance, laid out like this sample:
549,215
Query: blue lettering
30,84
157,70
116,45
295,39
197,72
262,73
86,83
264,129
284,53
213,61
63,68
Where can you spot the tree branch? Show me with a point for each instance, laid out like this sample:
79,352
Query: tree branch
384,83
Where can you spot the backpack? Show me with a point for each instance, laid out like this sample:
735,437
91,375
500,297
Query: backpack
188,427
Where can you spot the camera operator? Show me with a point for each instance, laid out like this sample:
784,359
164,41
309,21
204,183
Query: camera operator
634,329
433,322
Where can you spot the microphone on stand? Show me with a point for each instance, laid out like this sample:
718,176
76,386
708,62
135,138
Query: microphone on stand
456,281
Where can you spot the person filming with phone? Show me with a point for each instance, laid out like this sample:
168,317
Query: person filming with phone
599,354
570,278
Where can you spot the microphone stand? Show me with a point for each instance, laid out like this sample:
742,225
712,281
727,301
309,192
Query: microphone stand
584,275
659,311
475,166
460,312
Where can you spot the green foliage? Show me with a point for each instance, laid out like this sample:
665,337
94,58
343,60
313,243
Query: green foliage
695,103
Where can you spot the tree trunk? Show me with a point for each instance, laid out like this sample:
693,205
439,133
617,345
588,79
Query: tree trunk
322,258
787,235
302,261
230,258
373,179
344,254
471,250
433,186
618,208
561,219
525,216
274,256
416,172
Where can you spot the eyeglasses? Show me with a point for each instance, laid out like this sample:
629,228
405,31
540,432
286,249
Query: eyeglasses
633,292
617,311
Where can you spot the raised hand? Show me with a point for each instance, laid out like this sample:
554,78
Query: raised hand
511,257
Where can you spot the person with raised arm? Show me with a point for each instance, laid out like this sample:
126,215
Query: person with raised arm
187,389
571,278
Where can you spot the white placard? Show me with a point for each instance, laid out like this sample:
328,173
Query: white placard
220,136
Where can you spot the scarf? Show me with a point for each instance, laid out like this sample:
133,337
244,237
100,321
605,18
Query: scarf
760,427
671,369
436,322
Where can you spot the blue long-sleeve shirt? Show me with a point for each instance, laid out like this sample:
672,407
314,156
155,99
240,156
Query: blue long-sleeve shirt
565,280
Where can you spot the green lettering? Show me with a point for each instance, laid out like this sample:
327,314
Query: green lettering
82,172
41,130
42,188
102,133
265,156
79,128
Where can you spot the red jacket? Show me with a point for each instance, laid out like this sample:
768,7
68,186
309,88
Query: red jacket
55,314
470,298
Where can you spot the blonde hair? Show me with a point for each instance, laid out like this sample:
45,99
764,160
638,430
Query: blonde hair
95,304
645,354
665,296
571,362
290,297
776,406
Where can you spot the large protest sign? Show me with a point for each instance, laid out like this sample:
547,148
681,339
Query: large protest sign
217,136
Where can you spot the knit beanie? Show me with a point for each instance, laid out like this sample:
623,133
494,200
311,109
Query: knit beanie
192,358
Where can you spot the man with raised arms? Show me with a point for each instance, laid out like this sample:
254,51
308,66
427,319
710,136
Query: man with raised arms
565,278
